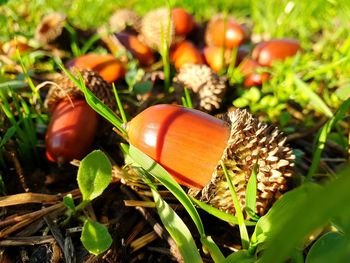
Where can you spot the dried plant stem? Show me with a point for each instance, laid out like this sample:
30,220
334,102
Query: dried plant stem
25,198
26,241
23,220
14,159
143,241
157,228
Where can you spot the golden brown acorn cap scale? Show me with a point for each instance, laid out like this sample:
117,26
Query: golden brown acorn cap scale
123,18
207,87
154,28
250,142
66,88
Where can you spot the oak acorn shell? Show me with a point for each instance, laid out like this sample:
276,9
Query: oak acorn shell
71,131
185,52
190,144
183,21
265,53
224,32
107,66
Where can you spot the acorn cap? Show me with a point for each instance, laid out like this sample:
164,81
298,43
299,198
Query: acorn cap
154,27
250,142
66,88
207,87
50,28
124,18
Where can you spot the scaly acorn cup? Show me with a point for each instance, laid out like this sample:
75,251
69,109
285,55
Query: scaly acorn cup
123,19
73,123
190,145
51,31
154,28
207,87
66,88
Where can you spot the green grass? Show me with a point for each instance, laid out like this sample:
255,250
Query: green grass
302,90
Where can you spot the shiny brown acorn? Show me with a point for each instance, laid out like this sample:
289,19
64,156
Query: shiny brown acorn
183,21
173,135
191,145
249,68
139,50
213,56
221,32
71,131
185,53
107,66
73,123
265,53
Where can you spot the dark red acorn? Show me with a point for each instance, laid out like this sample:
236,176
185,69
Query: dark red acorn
71,131
265,53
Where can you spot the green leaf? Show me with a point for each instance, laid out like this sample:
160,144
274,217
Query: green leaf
14,84
69,202
94,175
94,102
242,227
213,249
331,247
241,256
322,137
7,136
300,212
158,172
95,237
142,87
343,92
220,214
177,229
315,100
166,179
251,191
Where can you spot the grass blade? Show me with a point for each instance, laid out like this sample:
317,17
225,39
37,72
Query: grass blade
119,103
94,102
314,98
220,214
242,227
165,178
177,229
250,195
322,137
317,205
158,172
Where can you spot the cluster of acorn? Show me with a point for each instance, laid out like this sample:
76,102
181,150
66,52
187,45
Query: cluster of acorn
190,144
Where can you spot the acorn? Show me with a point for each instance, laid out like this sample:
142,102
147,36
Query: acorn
185,52
10,47
73,123
191,145
208,89
276,49
107,66
213,56
51,31
71,131
249,68
139,50
154,28
122,19
183,21
224,32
